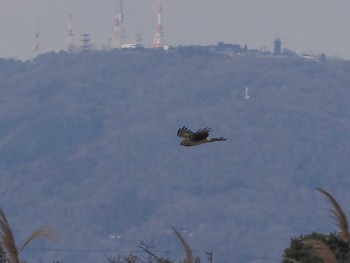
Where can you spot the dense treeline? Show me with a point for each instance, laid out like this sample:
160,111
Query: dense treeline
90,141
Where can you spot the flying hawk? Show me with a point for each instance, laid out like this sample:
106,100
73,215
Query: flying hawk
194,138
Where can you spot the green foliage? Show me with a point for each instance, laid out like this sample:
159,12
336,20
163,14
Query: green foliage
300,252
3,255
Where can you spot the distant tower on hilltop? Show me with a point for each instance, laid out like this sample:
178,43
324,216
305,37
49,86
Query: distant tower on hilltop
277,47
157,43
85,42
118,35
70,34
37,44
138,39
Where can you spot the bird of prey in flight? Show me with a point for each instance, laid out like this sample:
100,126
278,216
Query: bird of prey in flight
195,138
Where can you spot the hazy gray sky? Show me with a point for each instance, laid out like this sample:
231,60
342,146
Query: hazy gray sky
316,26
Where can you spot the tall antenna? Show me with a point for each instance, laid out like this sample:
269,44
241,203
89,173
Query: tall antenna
37,44
85,42
70,34
138,39
157,43
118,37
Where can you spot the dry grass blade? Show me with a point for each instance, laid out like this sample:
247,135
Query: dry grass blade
339,215
187,248
7,240
46,232
321,250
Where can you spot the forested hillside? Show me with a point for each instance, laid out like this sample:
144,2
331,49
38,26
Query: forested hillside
88,144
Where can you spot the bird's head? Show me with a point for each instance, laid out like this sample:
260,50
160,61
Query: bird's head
185,143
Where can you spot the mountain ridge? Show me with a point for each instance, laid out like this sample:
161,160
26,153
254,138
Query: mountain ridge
88,143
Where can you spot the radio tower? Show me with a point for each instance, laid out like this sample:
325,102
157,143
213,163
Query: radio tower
118,37
70,34
157,43
37,44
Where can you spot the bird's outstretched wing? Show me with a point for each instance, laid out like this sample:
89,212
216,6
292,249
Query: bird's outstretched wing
195,138
184,132
201,134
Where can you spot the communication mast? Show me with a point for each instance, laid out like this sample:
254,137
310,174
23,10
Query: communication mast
70,34
118,36
157,43
85,42
138,39
37,44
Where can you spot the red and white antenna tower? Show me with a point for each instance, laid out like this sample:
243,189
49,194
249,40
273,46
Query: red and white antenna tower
70,34
157,43
118,37
37,44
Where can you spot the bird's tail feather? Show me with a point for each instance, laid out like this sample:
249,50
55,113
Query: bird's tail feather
217,139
